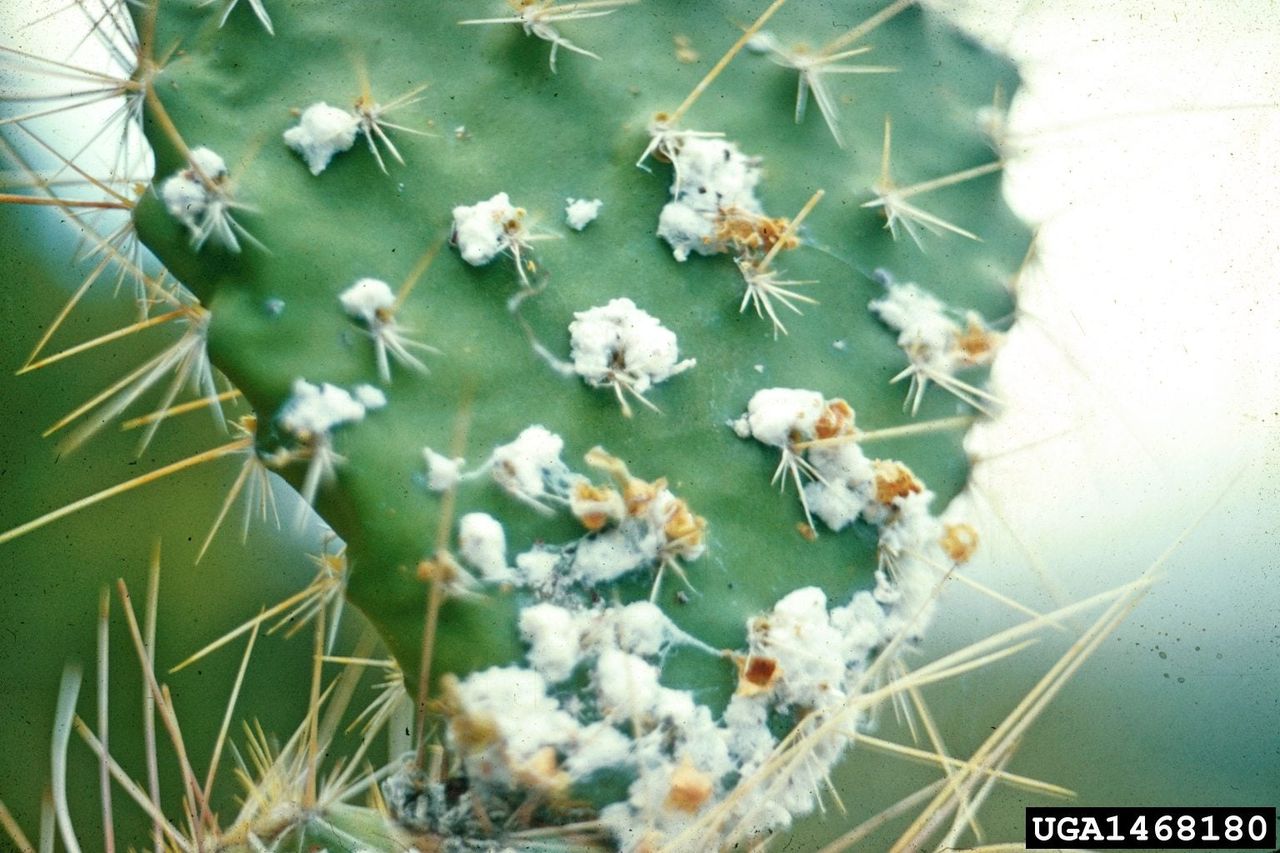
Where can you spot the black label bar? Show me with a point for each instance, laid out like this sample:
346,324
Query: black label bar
1152,828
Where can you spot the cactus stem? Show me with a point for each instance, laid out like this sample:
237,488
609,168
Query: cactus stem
723,63
628,526
181,409
419,270
144,801
538,18
16,835
62,725
104,695
120,488
892,199
221,740
259,11
297,609
123,332
663,135
862,29
74,204
812,69
164,703
938,425
253,476
186,358
921,375
372,116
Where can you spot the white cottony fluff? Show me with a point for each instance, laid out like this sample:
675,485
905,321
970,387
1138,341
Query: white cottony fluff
840,478
909,527
861,623
482,544
480,229
561,638
185,197
809,651
366,298
642,628
515,701
537,567
845,487
310,414
935,343
925,328
625,535
714,173
684,760
747,732
638,542
530,467
762,42
622,345
208,161
370,397
443,473
554,636
820,655
614,552
321,132
372,302
776,415
711,175
687,230
205,210
627,685
599,747
314,410
579,212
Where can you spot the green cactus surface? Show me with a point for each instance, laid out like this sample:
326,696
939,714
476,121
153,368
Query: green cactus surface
542,137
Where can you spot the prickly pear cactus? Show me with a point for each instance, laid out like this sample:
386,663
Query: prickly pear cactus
601,375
